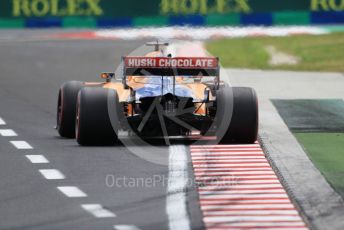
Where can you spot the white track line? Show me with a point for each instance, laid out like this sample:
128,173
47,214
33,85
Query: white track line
177,182
52,174
37,159
176,202
21,144
98,211
125,227
72,191
2,122
8,133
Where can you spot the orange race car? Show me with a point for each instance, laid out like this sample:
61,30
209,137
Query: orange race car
158,96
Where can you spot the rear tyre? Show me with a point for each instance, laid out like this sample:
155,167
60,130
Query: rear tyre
93,125
243,124
66,108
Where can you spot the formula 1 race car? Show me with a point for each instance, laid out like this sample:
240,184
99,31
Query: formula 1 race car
158,96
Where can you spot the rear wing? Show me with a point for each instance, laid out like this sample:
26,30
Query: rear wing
166,66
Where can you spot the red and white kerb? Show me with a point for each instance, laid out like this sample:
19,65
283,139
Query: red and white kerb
239,190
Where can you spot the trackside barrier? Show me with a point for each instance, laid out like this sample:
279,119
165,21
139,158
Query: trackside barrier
137,13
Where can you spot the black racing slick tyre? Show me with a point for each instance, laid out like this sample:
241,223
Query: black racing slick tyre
66,108
93,124
242,126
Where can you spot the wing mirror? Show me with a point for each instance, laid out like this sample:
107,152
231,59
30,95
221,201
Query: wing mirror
107,76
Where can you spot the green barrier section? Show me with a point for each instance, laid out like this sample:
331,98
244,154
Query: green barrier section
223,20
291,18
12,23
150,21
75,22
153,8
302,115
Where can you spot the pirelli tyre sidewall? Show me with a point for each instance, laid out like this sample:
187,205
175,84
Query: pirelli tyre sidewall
66,108
93,125
242,128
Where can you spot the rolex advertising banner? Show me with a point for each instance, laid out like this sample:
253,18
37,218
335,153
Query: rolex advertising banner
126,11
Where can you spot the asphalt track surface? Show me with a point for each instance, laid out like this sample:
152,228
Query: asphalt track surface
31,74
32,70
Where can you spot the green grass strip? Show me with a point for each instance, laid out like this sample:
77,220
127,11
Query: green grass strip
12,23
239,52
150,21
76,22
315,52
333,29
326,150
